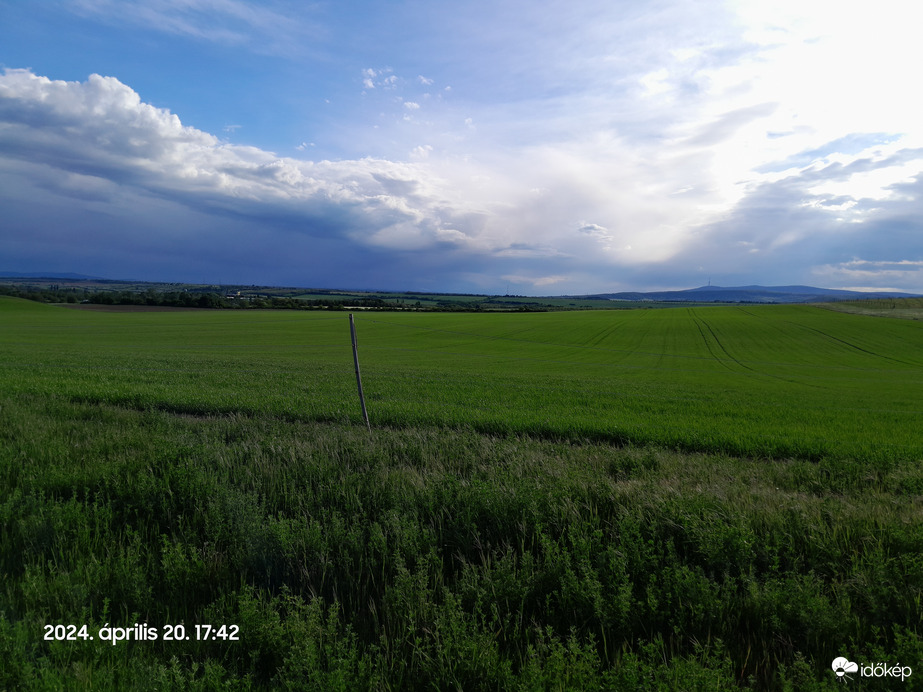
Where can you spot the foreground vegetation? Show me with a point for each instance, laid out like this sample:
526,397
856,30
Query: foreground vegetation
708,499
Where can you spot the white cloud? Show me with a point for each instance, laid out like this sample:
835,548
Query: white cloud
383,78
101,128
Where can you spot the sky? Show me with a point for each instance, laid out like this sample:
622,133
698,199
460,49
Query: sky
540,147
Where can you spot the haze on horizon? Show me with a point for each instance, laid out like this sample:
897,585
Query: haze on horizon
548,147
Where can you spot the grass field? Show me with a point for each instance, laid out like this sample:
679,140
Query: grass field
689,498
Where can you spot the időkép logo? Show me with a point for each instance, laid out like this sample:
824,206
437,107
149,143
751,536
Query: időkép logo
845,669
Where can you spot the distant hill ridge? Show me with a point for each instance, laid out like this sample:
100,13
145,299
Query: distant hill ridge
702,294
49,275
754,294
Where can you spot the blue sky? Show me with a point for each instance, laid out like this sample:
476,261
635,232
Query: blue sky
539,147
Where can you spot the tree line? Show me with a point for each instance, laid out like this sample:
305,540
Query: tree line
213,300
189,299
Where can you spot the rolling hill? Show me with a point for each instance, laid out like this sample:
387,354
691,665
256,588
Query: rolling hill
753,294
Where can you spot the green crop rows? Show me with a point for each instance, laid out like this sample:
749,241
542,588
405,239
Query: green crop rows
757,381
708,497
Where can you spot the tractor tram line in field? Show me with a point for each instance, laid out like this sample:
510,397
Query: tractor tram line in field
580,347
702,326
749,365
854,346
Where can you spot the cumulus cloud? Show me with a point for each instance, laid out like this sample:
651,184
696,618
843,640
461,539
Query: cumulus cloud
368,78
385,78
100,129
97,141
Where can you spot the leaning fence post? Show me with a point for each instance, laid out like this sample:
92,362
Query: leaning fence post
352,331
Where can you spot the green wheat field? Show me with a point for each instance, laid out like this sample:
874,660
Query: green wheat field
703,498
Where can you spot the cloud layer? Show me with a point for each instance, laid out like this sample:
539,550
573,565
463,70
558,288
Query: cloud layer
578,150
97,145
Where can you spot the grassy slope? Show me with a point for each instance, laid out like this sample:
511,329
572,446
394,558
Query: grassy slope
201,467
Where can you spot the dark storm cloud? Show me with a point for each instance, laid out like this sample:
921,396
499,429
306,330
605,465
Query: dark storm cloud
95,142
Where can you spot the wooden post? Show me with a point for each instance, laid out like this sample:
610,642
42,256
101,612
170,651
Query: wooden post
352,331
